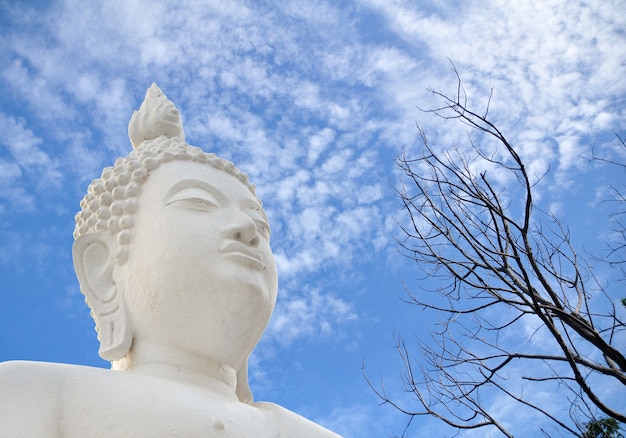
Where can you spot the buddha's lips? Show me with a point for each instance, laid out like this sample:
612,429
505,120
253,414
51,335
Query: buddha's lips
245,252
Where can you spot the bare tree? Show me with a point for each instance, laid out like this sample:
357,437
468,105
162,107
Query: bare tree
616,256
501,266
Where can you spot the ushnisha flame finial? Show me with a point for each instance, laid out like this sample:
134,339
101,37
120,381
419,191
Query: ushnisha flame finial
157,116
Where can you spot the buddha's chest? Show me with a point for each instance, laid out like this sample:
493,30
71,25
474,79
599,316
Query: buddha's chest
156,413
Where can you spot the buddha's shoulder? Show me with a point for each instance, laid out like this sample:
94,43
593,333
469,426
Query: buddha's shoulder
294,425
34,394
66,381
30,403
24,380
27,373
31,373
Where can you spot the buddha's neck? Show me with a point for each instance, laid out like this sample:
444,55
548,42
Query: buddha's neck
173,363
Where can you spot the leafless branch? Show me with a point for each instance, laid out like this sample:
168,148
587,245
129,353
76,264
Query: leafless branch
498,264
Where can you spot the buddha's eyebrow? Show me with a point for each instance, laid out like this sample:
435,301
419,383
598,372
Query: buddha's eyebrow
193,184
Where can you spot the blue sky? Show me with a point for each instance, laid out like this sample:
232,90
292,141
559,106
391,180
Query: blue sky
313,100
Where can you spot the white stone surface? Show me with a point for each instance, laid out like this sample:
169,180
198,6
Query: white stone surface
157,116
173,255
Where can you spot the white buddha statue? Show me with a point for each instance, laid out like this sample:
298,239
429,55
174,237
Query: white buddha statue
173,254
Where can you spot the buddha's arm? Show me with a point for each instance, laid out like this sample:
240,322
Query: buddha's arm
28,400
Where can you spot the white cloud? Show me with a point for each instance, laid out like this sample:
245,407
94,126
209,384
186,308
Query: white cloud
27,165
307,314
36,91
318,143
552,75
9,173
311,101
364,419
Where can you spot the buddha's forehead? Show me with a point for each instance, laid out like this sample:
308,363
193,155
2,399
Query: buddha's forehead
181,175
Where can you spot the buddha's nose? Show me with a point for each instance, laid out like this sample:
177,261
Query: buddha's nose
244,229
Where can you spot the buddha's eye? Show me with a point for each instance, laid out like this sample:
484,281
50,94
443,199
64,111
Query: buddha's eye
195,203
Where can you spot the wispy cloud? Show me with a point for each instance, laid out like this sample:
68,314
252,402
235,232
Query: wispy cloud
308,314
553,76
312,100
26,166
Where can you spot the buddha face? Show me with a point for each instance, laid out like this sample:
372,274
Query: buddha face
201,274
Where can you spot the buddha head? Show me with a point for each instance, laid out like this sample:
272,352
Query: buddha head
172,248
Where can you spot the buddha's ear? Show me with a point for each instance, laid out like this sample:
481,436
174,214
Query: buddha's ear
94,263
